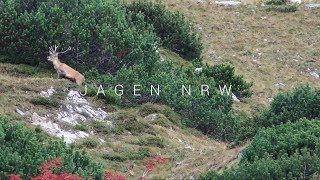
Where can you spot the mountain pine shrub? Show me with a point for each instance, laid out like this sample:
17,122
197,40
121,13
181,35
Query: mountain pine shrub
212,114
224,74
176,32
302,102
98,31
23,151
289,151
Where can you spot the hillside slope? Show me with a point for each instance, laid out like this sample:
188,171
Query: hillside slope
189,152
274,50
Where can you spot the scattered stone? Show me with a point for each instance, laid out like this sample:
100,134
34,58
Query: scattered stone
163,57
234,98
110,124
188,147
55,130
151,117
239,155
200,1
47,93
279,84
198,70
180,141
77,109
20,112
228,3
312,6
314,74
270,99
295,1
178,163
191,178
101,140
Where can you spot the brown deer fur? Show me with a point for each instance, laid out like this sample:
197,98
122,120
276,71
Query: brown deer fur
63,70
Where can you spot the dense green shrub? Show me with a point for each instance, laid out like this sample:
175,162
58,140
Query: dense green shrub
131,155
302,102
211,114
224,74
22,152
44,101
290,151
283,8
276,2
89,143
152,141
98,31
175,31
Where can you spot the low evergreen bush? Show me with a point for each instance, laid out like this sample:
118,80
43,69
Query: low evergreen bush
23,151
289,151
175,31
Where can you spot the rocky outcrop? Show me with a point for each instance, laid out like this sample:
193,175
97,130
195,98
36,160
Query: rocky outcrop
74,110
55,130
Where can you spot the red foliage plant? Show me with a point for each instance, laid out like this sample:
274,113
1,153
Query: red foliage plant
109,175
46,172
14,177
150,165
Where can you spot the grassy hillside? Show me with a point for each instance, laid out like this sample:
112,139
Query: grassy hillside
189,152
268,48
276,51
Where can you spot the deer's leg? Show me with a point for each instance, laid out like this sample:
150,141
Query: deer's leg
61,74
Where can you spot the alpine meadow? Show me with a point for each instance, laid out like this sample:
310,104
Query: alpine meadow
159,89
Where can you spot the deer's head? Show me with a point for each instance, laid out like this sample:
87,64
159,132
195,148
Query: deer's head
53,54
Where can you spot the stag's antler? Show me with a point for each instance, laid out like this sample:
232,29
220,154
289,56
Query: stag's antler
53,50
69,48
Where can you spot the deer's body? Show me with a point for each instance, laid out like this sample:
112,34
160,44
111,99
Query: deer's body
63,70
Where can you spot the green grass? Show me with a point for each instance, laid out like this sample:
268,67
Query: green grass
44,101
152,141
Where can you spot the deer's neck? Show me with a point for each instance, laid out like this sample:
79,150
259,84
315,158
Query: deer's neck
56,63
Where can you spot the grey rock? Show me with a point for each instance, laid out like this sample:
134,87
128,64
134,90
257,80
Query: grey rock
151,117
77,109
228,3
312,6
279,84
20,112
314,74
198,70
178,163
234,98
163,58
270,99
48,92
55,130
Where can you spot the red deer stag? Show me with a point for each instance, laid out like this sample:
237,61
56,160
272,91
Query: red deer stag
63,70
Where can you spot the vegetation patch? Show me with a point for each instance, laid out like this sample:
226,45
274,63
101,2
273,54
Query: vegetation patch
139,154
89,143
129,122
161,120
22,152
175,31
281,152
152,141
100,127
148,108
44,101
